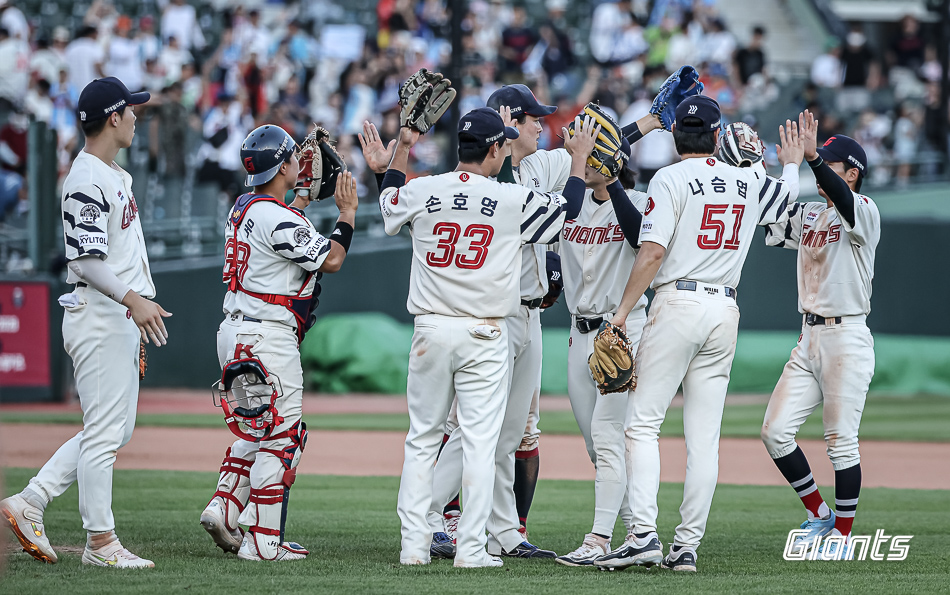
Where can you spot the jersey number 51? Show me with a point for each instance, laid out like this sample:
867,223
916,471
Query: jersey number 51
714,221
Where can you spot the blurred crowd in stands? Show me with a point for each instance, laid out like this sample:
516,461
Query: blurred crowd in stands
216,73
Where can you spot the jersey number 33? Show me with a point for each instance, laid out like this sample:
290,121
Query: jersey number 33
449,233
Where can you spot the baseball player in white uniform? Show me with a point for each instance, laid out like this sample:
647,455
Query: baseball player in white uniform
106,317
274,258
699,222
834,360
598,251
467,232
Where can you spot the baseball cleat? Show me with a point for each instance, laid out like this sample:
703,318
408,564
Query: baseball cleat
834,546
527,550
681,559
592,548
645,550
816,528
286,551
114,555
452,522
26,522
486,562
442,546
214,521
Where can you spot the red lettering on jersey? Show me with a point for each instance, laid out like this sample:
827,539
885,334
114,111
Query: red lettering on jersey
618,235
710,161
650,206
598,235
463,176
834,233
583,236
129,212
236,255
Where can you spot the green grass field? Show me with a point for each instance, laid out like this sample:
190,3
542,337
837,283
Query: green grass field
921,419
351,528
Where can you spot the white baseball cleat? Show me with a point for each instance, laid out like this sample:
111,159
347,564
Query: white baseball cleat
114,555
26,522
286,551
214,520
486,562
592,548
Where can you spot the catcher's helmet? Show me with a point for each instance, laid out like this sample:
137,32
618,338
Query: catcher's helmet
263,152
740,146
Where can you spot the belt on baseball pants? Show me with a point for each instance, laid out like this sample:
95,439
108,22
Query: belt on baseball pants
815,320
532,304
586,325
685,285
244,318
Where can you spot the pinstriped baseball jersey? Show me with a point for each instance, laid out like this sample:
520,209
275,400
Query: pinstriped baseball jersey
276,249
100,218
704,213
467,234
544,171
596,258
835,260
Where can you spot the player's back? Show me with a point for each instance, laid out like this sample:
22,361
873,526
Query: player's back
466,239
704,212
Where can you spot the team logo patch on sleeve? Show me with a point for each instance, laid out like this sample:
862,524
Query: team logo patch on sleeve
302,236
90,214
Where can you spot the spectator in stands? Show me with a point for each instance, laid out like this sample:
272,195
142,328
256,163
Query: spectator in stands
615,37
11,193
653,151
85,58
38,102
658,38
180,20
171,59
907,48
150,46
827,69
124,59
45,62
224,129
681,49
857,61
13,20
906,140
516,42
61,39
751,59
558,57
253,36
13,142
14,70
169,130
718,45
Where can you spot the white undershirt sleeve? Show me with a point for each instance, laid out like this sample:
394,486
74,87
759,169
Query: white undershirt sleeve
97,273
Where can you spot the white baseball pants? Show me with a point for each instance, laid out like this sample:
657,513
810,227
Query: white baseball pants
103,342
524,347
601,421
832,363
690,337
446,360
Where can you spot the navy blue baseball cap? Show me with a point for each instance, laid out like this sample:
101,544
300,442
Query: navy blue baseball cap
846,150
103,96
483,127
521,101
701,107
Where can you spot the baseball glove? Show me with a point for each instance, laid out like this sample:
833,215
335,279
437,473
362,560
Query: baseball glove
681,84
143,360
612,364
423,98
606,158
320,165
739,145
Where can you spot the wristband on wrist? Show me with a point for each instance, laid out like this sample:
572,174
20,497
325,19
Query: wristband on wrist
342,234
817,161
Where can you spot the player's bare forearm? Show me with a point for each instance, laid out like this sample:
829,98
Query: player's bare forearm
407,139
644,270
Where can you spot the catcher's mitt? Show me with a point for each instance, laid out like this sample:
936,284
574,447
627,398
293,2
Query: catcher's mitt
612,364
606,158
740,146
681,84
143,360
320,165
423,98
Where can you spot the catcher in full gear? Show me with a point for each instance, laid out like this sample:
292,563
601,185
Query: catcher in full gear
273,261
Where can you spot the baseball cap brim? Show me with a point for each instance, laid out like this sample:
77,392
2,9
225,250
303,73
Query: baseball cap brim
139,98
541,110
828,156
511,133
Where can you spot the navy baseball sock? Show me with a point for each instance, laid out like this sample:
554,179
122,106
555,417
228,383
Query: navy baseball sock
794,466
527,466
847,489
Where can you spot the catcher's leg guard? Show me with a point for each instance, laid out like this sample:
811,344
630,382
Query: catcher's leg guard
267,513
220,516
